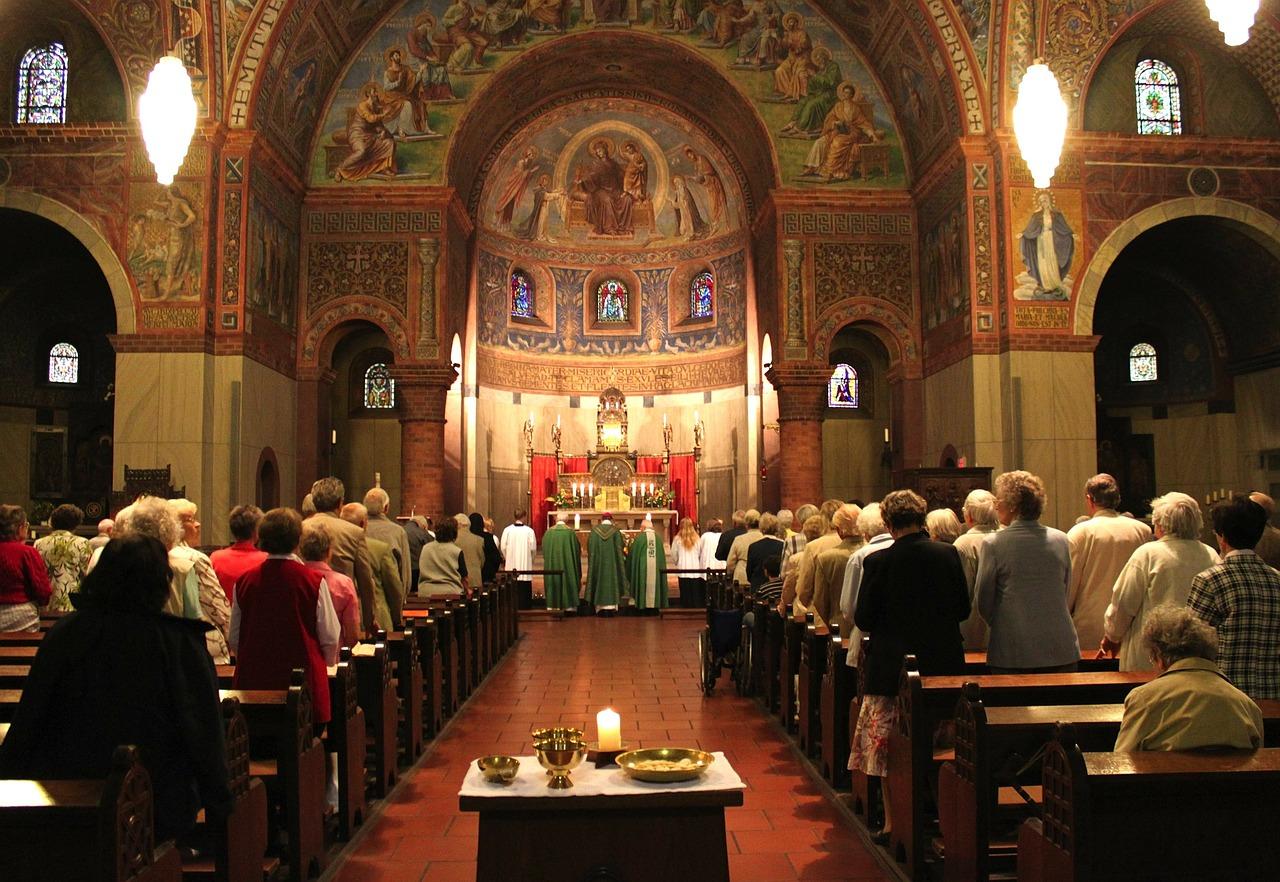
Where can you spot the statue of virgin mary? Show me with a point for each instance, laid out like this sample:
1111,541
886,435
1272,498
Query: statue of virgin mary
1047,247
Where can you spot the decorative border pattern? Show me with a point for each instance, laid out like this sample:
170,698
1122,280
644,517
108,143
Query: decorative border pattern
982,249
500,369
838,223
350,221
428,341
231,246
793,253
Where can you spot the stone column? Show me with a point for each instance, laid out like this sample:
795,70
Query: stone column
314,460
422,390
801,406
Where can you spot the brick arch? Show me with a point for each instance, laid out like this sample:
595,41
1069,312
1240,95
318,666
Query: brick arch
98,247
886,322
1262,226
324,334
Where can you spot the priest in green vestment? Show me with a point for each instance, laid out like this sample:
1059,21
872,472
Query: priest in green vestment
646,567
606,575
562,551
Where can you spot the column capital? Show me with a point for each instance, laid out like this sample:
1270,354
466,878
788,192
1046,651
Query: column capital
423,389
802,389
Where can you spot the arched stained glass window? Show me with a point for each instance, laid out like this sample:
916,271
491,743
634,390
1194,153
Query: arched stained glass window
521,294
842,388
379,388
42,85
1159,99
64,364
612,302
1142,363
702,292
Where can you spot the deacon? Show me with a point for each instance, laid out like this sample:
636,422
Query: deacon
517,545
606,577
562,551
647,565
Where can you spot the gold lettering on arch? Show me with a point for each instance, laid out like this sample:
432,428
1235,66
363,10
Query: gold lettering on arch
959,63
250,63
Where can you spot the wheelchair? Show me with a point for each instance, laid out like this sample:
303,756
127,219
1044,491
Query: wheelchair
720,643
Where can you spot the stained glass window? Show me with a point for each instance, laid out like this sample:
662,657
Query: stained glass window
521,294
42,85
842,388
1159,99
379,388
612,302
64,364
1142,363
702,292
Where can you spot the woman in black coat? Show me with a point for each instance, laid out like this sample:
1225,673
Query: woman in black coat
912,600
118,671
492,556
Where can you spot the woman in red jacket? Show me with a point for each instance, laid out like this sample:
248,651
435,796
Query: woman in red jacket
24,581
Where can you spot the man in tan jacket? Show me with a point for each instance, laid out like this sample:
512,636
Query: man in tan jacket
813,548
828,568
737,561
350,551
388,590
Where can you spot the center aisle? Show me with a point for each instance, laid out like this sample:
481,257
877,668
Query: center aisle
647,670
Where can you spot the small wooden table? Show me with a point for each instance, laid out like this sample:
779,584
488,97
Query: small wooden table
646,835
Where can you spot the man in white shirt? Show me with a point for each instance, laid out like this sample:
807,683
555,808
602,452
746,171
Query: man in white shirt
518,545
709,541
1100,547
872,527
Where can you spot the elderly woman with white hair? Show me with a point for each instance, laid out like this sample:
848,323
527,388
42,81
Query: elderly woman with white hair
1158,572
214,606
1190,705
980,517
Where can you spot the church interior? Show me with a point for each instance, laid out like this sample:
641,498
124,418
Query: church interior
673,256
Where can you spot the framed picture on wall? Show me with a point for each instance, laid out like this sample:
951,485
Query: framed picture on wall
48,462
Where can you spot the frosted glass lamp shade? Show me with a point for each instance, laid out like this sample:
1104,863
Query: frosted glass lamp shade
1040,123
1234,18
167,112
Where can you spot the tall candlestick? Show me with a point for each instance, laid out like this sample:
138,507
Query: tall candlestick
557,421
633,488
664,419
591,490
333,436
577,520
609,729
531,418
886,435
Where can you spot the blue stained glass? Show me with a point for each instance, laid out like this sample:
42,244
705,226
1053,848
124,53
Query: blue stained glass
521,294
42,85
379,388
702,295
612,302
842,388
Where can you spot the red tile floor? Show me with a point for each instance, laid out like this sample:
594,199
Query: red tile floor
647,670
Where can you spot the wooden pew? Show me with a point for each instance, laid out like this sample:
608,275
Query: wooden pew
346,739
788,669
924,702
286,754
450,696
838,684
403,647
378,699
475,669
239,840
771,663
21,638
756,672
992,746
1153,815
813,665
427,635
91,830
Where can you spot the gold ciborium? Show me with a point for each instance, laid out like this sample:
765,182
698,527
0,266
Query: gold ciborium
559,757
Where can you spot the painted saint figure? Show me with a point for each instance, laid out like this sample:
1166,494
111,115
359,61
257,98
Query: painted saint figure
820,94
406,111
433,74
536,225
516,183
791,78
635,179
599,185
173,208
705,174
689,222
847,125
1048,245
469,43
373,150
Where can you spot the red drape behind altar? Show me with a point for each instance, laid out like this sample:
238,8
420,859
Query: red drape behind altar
649,465
573,464
683,477
542,483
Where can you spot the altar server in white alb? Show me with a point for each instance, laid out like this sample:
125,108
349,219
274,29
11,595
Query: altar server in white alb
518,545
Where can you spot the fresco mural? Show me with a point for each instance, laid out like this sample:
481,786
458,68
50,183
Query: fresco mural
1045,241
273,262
944,283
406,89
975,15
611,172
163,240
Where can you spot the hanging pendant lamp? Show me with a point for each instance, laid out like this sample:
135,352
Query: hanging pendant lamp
1233,18
1040,122
167,112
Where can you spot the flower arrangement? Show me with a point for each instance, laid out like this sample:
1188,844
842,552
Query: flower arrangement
563,498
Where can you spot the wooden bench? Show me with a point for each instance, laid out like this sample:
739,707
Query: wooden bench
839,682
427,634
813,665
1153,815
924,702
346,739
997,752
21,638
788,670
286,754
92,830
771,663
403,647
378,699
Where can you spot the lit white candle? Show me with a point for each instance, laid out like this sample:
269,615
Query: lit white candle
609,729
664,419
886,435
577,521
557,421
333,436
633,488
591,490
531,418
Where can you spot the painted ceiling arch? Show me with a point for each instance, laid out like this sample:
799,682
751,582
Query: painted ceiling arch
290,62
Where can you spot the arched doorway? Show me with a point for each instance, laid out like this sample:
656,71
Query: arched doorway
857,416
1189,356
267,480
364,411
58,408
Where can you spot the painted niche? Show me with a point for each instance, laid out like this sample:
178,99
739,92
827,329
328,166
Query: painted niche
404,92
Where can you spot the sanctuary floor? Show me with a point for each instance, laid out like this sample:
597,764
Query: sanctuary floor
647,670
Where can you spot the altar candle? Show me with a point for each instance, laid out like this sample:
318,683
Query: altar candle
609,729
591,490
664,419
633,488
557,421
886,435
695,417
531,418
577,521
333,436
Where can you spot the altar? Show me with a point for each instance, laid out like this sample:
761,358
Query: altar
665,521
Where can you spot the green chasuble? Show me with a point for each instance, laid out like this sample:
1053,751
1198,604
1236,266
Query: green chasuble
606,577
561,550
646,561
